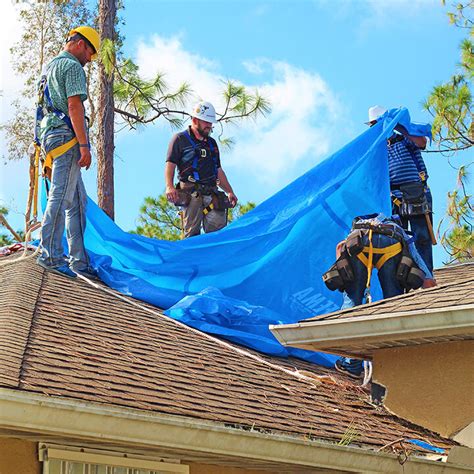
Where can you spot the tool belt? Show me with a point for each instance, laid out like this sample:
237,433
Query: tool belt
220,201
341,272
414,201
409,275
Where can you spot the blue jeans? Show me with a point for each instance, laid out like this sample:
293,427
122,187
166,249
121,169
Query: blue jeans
423,243
354,293
419,227
66,206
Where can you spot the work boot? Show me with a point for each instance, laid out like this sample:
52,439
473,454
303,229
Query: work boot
63,269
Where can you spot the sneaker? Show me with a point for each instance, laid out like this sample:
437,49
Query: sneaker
351,367
63,269
88,273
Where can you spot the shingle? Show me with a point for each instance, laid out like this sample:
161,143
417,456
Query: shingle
65,338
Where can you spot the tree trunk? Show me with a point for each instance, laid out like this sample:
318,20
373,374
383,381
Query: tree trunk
105,116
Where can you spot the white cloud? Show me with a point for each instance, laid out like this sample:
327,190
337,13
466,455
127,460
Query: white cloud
304,109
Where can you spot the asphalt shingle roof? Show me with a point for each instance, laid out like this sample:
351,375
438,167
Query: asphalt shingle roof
65,338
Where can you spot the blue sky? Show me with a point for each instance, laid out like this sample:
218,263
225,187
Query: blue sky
322,64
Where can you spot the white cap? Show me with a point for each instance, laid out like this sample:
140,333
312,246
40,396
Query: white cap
204,111
375,112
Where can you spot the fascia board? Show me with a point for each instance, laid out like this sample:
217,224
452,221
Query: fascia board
40,415
361,330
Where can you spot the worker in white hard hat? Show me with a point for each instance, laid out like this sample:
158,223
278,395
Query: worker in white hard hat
196,155
65,140
411,196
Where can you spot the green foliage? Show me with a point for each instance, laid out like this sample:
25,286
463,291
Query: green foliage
450,105
239,210
139,101
159,218
12,236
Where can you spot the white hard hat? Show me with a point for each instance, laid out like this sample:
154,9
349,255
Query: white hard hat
204,111
375,112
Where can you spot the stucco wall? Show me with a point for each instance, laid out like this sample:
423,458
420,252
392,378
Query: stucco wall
18,456
21,457
430,384
209,469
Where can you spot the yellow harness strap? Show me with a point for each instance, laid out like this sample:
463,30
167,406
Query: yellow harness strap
396,201
208,209
35,180
57,152
386,254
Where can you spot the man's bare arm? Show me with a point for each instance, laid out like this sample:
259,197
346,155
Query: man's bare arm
225,186
171,192
76,114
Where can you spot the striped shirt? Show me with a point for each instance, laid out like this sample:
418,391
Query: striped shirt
66,78
405,162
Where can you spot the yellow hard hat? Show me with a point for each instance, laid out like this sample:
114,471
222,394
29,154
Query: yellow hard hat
90,35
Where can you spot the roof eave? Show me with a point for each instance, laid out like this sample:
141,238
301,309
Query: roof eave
33,414
366,332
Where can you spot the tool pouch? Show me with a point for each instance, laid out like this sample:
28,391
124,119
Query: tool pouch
221,201
339,274
354,243
409,275
333,280
184,198
414,202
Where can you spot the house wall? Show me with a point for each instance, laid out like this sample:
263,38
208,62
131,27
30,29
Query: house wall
431,384
212,469
18,456
21,457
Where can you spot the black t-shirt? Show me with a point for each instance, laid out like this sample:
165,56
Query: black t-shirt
182,153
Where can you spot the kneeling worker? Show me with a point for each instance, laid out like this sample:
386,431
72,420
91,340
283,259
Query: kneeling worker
380,242
196,155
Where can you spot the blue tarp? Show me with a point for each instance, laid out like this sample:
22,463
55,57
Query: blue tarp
273,257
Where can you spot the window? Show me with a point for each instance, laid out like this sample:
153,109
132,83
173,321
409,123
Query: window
74,460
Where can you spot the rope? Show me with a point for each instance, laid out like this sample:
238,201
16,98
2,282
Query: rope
243,352
24,255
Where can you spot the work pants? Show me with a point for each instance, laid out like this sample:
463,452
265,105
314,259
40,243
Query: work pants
194,218
66,207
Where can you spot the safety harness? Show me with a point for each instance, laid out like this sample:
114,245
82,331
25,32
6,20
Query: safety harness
366,256
200,152
341,273
219,199
44,105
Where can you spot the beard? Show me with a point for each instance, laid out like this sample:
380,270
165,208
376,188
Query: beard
204,132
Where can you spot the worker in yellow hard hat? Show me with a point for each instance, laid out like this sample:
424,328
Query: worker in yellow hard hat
65,140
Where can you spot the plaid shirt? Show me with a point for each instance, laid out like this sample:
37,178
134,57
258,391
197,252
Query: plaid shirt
66,78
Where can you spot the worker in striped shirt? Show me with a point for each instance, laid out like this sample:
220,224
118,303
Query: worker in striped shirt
410,194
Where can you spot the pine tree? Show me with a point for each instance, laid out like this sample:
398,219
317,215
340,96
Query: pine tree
450,104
